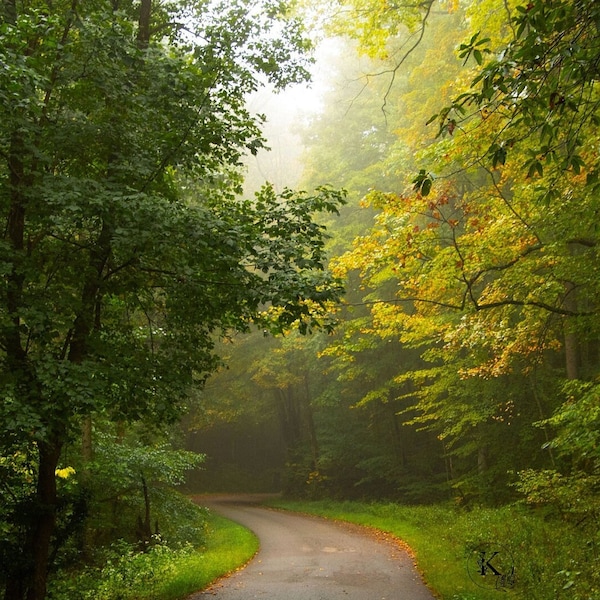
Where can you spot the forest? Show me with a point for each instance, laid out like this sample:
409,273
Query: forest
409,315
464,360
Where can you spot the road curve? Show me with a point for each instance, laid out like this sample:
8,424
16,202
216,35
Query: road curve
309,558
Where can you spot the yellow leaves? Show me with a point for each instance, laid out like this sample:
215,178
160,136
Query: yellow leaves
316,478
498,341
475,274
384,200
373,23
388,319
505,412
489,17
64,473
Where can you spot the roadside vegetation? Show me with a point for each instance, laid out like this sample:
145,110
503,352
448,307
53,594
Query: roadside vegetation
551,557
162,572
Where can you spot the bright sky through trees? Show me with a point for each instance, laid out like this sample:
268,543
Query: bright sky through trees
288,113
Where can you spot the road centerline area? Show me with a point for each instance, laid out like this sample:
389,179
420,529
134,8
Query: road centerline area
309,558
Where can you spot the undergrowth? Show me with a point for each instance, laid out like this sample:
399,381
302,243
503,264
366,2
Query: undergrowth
162,572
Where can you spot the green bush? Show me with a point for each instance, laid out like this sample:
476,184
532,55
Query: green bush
126,575
160,573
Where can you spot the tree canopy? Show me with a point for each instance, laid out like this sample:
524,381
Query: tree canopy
465,358
485,258
471,309
126,248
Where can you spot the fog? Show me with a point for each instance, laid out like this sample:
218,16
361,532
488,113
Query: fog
288,112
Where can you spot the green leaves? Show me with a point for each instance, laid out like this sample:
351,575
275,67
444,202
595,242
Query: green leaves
118,465
422,183
534,167
127,250
540,83
474,47
497,153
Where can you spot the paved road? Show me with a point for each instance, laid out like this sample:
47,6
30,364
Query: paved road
308,558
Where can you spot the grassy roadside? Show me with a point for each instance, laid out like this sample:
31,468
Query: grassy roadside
162,573
447,542
229,546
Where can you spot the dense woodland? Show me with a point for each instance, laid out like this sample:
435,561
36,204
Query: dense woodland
420,325
465,361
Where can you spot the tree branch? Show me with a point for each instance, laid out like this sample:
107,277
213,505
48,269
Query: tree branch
479,307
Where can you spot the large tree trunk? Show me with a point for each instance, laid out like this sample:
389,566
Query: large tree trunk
30,581
310,423
290,416
15,232
43,527
396,432
17,363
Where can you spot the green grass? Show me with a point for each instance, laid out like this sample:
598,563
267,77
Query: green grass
162,573
552,559
229,547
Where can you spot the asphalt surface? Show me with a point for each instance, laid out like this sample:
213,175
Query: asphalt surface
309,558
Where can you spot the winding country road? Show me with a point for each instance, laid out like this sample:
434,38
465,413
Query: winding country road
308,558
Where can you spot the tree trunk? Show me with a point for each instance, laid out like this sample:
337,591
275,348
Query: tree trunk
17,363
86,320
571,356
143,35
290,417
30,582
482,461
29,578
43,528
15,232
87,454
571,341
144,529
397,437
86,441
310,422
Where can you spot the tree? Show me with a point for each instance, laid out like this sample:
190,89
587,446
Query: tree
268,385
125,248
540,84
367,138
488,255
